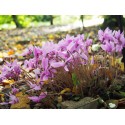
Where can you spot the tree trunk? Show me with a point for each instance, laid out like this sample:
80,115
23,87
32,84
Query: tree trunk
51,20
15,19
82,19
120,22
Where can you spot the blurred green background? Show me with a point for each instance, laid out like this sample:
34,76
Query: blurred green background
23,21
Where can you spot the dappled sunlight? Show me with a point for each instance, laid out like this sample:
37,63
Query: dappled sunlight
61,23
96,20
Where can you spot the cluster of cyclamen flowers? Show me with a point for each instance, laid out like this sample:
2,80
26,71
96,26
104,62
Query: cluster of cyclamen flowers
10,71
51,56
45,60
111,41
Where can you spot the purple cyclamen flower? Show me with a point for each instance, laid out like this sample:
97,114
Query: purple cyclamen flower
71,47
88,42
15,90
4,103
10,70
57,64
37,51
16,67
30,64
117,34
34,86
84,56
107,34
54,55
108,47
100,35
13,99
119,48
45,62
122,40
28,51
37,72
111,39
44,77
38,98
48,48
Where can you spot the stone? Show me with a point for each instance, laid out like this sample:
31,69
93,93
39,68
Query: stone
85,103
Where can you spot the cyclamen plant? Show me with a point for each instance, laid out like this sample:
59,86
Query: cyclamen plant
48,59
10,71
111,41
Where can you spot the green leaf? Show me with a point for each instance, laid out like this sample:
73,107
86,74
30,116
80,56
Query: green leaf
122,93
74,79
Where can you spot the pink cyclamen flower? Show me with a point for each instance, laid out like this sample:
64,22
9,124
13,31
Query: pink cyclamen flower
100,35
28,51
30,64
111,39
37,72
117,34
15,90
10,70
13,99
71,47
122,40
119,48
4,103
37,51
34,86
107,34
38,98
45,62
84,56
57,64
108,47
88,42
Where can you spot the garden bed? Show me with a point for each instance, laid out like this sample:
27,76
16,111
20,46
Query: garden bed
67,74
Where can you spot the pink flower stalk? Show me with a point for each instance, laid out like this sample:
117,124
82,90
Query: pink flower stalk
92,60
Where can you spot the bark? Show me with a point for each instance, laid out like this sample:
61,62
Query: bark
51,20
15,19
